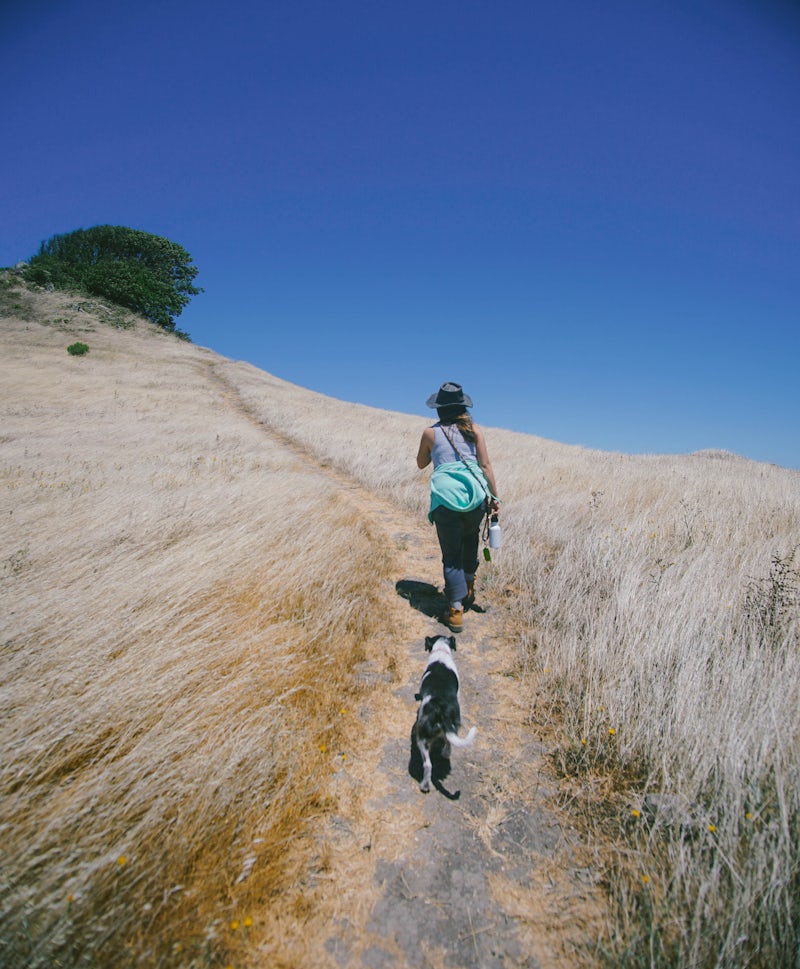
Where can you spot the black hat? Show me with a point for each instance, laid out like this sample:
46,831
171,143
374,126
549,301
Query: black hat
449,395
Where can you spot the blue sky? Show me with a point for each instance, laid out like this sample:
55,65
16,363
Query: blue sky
587,213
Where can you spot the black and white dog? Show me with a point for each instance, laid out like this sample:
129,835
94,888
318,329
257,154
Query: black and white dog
439,714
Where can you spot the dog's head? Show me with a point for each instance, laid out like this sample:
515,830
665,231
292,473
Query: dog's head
432,641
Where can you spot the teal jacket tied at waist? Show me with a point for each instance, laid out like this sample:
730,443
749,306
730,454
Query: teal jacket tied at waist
458,487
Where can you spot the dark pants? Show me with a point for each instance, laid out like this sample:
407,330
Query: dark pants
459,535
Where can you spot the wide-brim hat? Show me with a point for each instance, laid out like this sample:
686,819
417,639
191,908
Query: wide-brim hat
449,395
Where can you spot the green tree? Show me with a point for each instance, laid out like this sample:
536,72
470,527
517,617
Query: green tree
146,273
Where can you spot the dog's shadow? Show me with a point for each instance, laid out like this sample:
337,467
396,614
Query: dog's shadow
440,767
426,598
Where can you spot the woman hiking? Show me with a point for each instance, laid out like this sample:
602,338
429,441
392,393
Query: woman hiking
463,490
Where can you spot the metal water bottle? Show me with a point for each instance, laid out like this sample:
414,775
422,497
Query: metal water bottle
495,534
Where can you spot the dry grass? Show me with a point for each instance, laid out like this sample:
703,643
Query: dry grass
664,598
656,603
183,603
172,580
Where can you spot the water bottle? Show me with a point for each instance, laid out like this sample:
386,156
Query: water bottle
495,535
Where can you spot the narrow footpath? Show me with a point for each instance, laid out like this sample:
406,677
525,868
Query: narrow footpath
484,871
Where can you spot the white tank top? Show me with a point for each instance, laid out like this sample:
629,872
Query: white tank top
442,451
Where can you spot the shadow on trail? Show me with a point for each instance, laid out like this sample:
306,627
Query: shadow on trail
440,767
427,598
422,596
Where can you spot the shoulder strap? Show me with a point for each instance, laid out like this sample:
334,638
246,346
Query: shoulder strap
452,443
466,463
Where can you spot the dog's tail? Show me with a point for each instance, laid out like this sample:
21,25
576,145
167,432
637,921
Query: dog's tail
456,741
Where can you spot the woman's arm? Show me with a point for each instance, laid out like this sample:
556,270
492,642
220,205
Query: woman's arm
425,448
485,464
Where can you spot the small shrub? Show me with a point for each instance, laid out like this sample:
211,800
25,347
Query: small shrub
14,299
772,602
77,349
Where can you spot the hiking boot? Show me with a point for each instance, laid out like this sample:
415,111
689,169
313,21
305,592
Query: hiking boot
454,618
470,599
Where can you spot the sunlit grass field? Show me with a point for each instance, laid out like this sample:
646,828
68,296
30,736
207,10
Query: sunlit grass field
184,603
656,607
184,600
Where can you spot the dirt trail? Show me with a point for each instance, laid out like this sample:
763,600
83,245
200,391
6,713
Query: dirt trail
482,871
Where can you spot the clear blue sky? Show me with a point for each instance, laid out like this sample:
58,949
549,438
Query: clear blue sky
587,213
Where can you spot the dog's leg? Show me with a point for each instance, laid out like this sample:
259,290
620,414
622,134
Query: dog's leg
427,766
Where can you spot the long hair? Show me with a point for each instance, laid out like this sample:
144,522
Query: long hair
457,414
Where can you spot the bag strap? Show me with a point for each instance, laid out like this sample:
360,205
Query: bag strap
488,494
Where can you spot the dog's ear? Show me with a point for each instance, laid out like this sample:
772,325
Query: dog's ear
429,641
452,642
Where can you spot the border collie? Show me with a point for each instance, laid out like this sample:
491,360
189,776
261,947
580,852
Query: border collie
439,714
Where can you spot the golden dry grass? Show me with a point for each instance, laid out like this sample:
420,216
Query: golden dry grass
184,602
656,604
174,577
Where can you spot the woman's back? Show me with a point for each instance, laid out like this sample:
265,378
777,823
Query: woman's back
442,451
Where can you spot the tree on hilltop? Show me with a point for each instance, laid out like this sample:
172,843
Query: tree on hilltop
148,274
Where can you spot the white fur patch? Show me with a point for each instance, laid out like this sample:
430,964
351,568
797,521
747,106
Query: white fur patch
441,653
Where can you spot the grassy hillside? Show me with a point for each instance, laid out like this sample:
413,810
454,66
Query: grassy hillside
183,605
178,568
657,615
